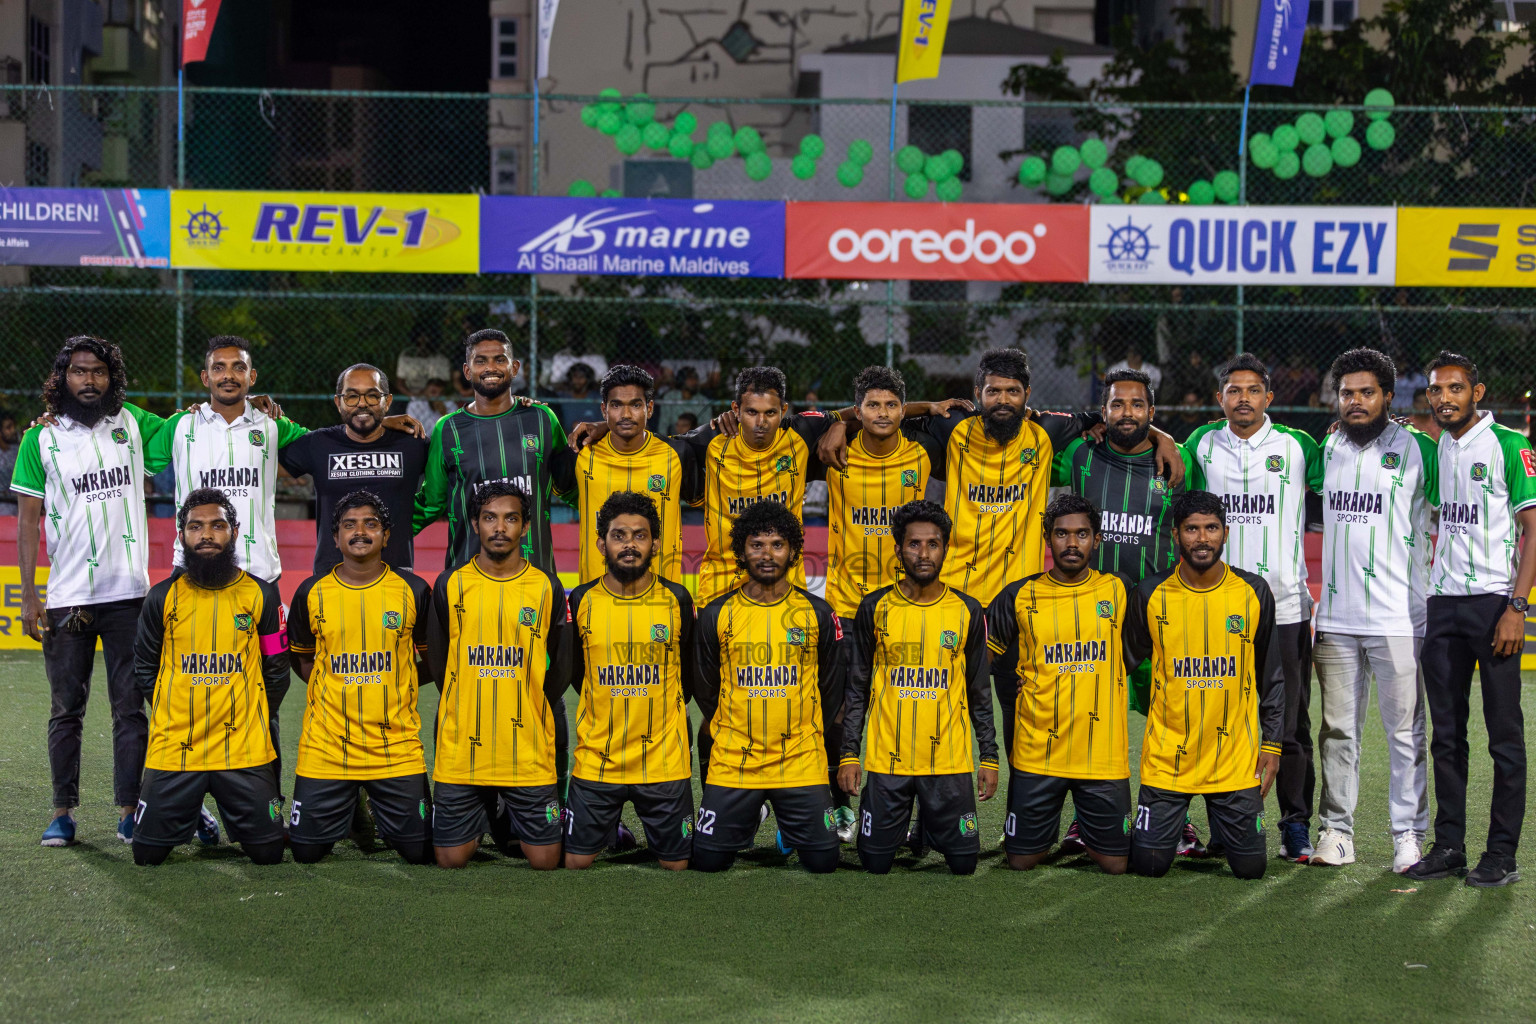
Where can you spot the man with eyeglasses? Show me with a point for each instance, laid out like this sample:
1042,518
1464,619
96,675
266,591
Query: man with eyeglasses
359,452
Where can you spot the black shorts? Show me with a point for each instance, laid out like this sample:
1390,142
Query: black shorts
946,807
462,814
322,808
728,817
170,804
664,808
1236,819
1103,809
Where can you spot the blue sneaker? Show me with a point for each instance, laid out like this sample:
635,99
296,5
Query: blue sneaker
60,831
783,847
1294,844
207,828
125,830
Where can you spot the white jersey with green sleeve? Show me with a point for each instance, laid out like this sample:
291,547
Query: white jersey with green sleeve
1487,477
240,459
1376,532
91,481
1263,482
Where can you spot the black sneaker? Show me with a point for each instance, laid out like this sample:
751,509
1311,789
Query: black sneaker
1072,842
1493,869
1439,862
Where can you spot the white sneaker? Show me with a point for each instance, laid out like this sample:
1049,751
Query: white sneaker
1408,850
1334,848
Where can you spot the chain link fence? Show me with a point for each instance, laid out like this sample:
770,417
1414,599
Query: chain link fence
306,326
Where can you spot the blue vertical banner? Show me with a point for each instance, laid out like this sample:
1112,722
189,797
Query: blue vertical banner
1277,42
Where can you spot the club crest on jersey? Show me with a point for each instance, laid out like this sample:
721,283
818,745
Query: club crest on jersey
659,634
1479,471
1026,456
1125,825
829,819
909,478
530,442
687,826
421,809
1275,463
949,639
257,438
784,464
527,617
658,482
275,808
1106,609
551,812
391,620
243,622
119,435
795,636
1391,460
968,823
1157,485
1235,623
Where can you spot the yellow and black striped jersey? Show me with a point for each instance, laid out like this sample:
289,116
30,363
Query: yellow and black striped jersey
633,663
919,674
996,494
1215,701
360,717
736,476
664,469
211,663
1067,643
770,675
489,644
861,556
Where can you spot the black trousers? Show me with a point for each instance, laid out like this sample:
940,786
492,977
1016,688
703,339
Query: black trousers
68,656
1459,635
1296,781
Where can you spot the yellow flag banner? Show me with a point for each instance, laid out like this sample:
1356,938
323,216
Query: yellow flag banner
921,46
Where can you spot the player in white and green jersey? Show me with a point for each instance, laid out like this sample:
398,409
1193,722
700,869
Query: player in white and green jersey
1262,471
1485,566
1380,481
81,478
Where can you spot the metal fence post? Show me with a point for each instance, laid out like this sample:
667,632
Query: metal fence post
890,286
533,278
1242,200
181,275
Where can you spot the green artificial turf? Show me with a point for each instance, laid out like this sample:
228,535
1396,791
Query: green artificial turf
85,935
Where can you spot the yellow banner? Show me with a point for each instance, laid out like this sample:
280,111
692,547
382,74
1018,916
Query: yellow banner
340,231
1466,247
921,47
11,636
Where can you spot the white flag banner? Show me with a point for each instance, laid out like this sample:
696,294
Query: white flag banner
547,11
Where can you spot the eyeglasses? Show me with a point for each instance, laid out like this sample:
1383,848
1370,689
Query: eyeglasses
352,398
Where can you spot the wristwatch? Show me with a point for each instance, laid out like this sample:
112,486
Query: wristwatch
1519,604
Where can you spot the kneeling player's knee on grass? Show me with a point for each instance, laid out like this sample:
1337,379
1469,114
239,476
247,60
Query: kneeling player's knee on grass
541,858
264,853
310,853
962,863
1247,865
1109,865
1024,861
877,863
418,852
145,855
675,865
455,856
579,861
711,860
819,862
1152,863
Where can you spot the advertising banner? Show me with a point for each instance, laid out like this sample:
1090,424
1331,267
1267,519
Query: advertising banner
339,231
85,227
1277,245
680,237
937,241
1471,247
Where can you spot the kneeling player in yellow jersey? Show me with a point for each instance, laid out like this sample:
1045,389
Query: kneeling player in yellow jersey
633,664
210,657
355,633
770,676
1216,712
919,673
1064,630
496,622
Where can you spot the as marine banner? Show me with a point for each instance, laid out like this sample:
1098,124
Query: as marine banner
333,231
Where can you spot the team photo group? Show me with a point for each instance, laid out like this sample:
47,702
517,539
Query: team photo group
1176,587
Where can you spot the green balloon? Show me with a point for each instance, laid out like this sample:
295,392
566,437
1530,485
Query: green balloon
1113,199
1346,151
628,140
759,166
1287,165
1258,139
849,174
1380,135
1317,161
1031,171
1094,153
1263,153
1133,164
609,122
684,124
860,151
655,135
1151,197
610,193
720,147
610,100
1382,102
949,190
909,160
1311,129
916,186
1103,182
640,111
701,158
1058,184
1149,173
719,130
1226,186
936,168
955,160
589,115
803,166
1065,160
680,146
1202,193
748,141
1285,138
1339,123
582,188
813,147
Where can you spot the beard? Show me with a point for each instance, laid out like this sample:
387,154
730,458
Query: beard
209,571
1456,424
1137,435
1362,434
485,390
627,574
364,422
769,580
500,556
1002,423
1184,556
87,415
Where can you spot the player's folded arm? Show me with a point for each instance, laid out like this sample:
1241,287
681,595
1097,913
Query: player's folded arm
149,641
419,629
832,667
706,643
275,668
856,700
978,687
557,671
437,630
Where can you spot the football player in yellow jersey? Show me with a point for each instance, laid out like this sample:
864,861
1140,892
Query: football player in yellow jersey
770,676
1216,711
355,634
630,458
633,665
495,626
210,657
1064,630
919,674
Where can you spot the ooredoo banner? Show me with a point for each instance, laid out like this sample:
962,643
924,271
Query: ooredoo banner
936,241
85,227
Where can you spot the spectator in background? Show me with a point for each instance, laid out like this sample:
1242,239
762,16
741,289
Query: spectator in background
1196,375
685,422
429,406
10,444
685,398
419,364
1296,383
1133,361
1420,414
1188,416
463,394
1412,386
578,400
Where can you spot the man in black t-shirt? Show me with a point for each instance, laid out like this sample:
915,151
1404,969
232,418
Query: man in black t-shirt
359,453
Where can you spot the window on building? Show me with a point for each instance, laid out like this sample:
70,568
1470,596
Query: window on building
504,48
504,161
39,52
1330,15
936,329
933,129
